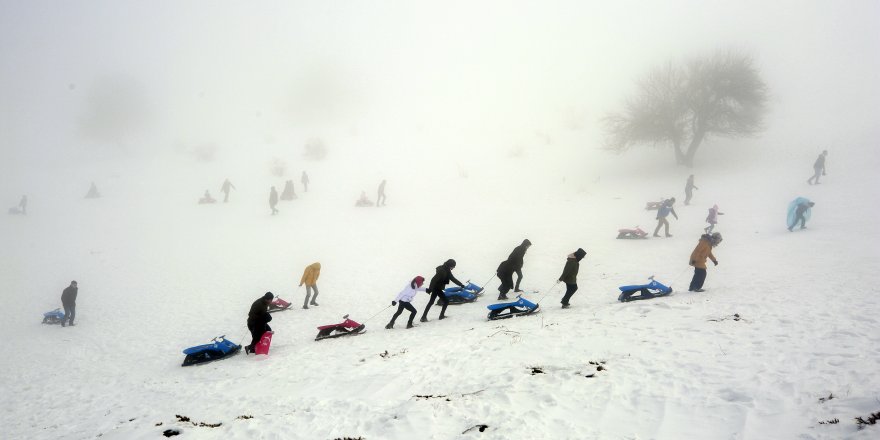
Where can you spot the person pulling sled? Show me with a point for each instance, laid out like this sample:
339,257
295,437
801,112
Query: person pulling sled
569,275
441,278
258,320
404,301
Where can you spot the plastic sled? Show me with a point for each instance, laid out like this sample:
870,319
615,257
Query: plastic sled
262,347
634,233
653,289
653,206
220,348
345,328
54,317
460,295
278,305
519,307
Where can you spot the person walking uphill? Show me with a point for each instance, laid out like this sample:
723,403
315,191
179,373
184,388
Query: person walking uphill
258,320
516,261
798,212
698,259
712,218
225,188
689,188
310,279
380,198
818,168
664,211
569,275
404,301
441,278
68,301
273,200
305,181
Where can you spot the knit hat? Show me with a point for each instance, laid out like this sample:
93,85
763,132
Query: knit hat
527,242
268,296
450,263
419,280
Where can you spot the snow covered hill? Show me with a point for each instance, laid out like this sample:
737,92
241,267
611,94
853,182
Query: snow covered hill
784,338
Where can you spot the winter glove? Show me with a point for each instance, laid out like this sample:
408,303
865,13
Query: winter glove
427,290
693,262
715,263
393,303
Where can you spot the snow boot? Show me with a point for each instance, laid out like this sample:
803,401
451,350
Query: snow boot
424,319
313,303
306,307
566,306
443,317
409,325
389,326
502,296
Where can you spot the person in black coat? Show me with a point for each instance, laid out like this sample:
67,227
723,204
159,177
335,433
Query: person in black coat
258,320
441,278
505,274
516,261
68,300
569,275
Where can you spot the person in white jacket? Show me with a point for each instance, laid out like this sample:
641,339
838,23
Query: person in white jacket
404,301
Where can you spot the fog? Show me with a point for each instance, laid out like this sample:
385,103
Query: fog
426,91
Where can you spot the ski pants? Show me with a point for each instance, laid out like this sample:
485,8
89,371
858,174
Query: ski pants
570,289
506,282
688,193
69,313
699,278
309,293
518,273
816,173
225,196
380,199
257,330
662,222
404,305
443,303
800,218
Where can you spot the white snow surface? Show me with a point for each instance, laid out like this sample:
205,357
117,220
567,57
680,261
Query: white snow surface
159,273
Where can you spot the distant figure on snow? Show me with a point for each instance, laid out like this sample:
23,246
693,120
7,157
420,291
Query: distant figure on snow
663,212
404,301
698,259
818,168
21,208
712,219
799,211
569,275
363,201
225,188
68,301
258,320
93,192
273,200
288,193
689,188
310,279
305,181
441,278
207,199
380,198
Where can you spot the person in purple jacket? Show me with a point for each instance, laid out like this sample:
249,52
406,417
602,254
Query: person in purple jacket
404,301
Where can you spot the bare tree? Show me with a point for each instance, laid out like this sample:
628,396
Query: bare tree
721,95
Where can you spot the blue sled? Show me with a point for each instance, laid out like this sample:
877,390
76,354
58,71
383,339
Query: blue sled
519,307
460,295
54,317
220,348
647,291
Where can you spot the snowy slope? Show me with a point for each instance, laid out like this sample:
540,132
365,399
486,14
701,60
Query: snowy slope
158,273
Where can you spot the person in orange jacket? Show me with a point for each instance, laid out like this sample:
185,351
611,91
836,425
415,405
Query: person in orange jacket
310,279
698,259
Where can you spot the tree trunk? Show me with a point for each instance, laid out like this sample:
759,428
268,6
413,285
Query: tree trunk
679,156
692,148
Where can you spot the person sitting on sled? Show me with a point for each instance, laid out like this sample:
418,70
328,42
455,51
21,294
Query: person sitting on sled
712,219
363,201
258,320
698,259
206,199
438,283
404,301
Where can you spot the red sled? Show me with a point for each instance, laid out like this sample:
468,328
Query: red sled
278,305
345,328
265,341
631,233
